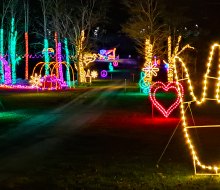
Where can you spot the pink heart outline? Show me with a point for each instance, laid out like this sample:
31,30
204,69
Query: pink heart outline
172,85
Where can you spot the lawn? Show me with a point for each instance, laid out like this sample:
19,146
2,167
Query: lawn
118,150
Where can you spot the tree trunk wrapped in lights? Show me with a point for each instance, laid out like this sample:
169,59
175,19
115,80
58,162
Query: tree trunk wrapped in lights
26,17
12,50
172,56
67,62
60,66
80,65
46,56
2,76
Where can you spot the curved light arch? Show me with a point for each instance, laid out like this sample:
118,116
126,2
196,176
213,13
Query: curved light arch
64,63
54,64
40,63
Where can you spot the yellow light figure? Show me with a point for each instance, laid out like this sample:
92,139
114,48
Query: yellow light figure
151,71
149,68
89,58
80,68
148,53
171,56
94,74
195,157
35,80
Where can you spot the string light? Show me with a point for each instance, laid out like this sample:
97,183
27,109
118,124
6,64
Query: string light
12,50
144,85
115,63
26,55
171,56
6,86
35,81
110,67
94,74
148,52
177,87
59,57
104,73
67,62
203,98
107,54
150,70
2,54
46,56
7,70
89,58
54,66
81,71
57,50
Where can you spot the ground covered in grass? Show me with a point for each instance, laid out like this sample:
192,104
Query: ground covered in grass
120,149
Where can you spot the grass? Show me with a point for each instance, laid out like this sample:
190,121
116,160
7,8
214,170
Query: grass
119,150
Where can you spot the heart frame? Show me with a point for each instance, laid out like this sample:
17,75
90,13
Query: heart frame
166,87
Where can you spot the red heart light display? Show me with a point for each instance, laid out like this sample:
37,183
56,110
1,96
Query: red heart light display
177,87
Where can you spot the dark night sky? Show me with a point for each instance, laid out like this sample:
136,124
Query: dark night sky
203,12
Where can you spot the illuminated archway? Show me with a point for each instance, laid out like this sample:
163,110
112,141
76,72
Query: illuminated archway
52,66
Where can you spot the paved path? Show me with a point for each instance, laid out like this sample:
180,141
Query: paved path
24,147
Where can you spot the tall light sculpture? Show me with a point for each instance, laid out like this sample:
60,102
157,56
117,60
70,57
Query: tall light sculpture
67,62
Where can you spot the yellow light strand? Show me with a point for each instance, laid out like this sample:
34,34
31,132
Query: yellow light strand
203,98
169,49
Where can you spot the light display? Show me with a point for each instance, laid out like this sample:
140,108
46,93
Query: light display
89,58
169,49
107,54
2,79
157,86
104,73
12,50
54,65
88,76
35,81
60,67
149,68
144,85
50,52
115,63
7,69
110,67
46,56
51,82
150,71
67,62
26,55
94,74
6,86
57,50
148,52
204,98
81,71
171,56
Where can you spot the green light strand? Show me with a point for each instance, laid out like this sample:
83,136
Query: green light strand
46,56
68,63
13,37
